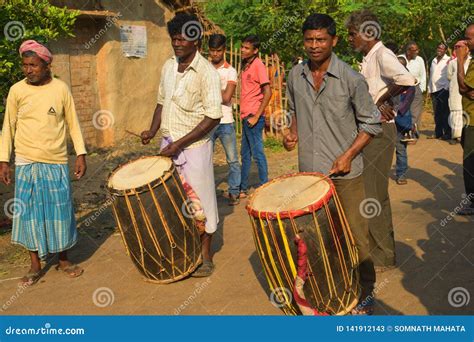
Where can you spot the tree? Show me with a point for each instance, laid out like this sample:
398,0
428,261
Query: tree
27,19
278,22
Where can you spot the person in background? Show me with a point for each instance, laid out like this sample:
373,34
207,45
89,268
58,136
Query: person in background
438,87
387,79
404,124
466,88
455,98
225,132
416,67
254,97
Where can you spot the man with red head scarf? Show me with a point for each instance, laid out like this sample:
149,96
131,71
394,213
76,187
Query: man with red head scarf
38,109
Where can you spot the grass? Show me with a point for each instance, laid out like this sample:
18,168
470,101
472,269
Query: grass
273,144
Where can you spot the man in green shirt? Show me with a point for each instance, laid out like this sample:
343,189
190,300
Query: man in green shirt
466,88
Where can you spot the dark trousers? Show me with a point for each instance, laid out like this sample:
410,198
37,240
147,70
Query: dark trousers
351,192
378,157
441,113
467,141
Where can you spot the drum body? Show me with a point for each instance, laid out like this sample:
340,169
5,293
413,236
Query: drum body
149,206
303,210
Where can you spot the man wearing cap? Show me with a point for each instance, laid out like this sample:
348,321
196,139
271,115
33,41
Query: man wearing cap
37,111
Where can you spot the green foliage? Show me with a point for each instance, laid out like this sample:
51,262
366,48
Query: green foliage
21,20
278,22
273,144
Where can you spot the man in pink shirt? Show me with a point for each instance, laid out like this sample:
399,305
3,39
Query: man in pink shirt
255,96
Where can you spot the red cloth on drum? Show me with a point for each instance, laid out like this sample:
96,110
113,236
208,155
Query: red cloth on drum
302,275
195,206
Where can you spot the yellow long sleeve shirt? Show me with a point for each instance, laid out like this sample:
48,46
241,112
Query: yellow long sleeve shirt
35,122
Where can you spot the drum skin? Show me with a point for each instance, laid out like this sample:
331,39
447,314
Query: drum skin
332,277
160,238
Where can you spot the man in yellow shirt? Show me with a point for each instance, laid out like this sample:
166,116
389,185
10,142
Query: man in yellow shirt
38,109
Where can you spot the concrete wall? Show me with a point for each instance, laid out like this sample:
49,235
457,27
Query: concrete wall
103,79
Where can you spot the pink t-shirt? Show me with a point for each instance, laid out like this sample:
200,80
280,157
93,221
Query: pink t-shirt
251,95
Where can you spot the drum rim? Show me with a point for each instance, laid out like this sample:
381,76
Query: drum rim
143,188
293,213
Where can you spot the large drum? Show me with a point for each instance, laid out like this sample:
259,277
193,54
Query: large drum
305,245
149,206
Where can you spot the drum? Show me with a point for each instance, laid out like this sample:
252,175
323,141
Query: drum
305,245
150,208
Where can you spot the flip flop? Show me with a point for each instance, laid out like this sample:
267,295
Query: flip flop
31,278
72,271
466,211
205,270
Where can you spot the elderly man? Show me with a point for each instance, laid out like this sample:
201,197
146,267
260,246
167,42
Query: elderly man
333,119
188,109
38,109
387,78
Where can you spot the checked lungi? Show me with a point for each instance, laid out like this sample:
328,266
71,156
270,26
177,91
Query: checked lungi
43,217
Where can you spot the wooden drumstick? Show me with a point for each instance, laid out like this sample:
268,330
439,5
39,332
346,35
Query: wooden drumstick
132,133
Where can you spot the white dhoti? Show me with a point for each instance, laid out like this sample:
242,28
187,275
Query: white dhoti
197,168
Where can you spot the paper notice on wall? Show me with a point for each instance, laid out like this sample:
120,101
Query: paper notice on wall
133,39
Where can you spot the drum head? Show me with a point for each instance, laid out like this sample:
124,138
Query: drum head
290,193
139,172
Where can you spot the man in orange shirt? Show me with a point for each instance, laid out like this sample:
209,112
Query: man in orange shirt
254,98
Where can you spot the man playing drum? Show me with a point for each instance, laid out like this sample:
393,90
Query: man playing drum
188,109
333,119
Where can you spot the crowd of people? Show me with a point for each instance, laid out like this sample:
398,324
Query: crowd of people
345,124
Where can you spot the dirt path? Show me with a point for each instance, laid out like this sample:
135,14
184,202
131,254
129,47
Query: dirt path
434,253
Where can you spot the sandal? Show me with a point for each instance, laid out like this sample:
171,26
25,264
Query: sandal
364,308
205,270
31,278
72,271
466,211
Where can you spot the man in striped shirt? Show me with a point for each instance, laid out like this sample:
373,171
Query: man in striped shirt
188,109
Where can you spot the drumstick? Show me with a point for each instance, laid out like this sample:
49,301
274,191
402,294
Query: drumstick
132,133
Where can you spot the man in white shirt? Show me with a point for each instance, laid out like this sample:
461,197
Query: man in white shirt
416,67
438,87
226,130
387,78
